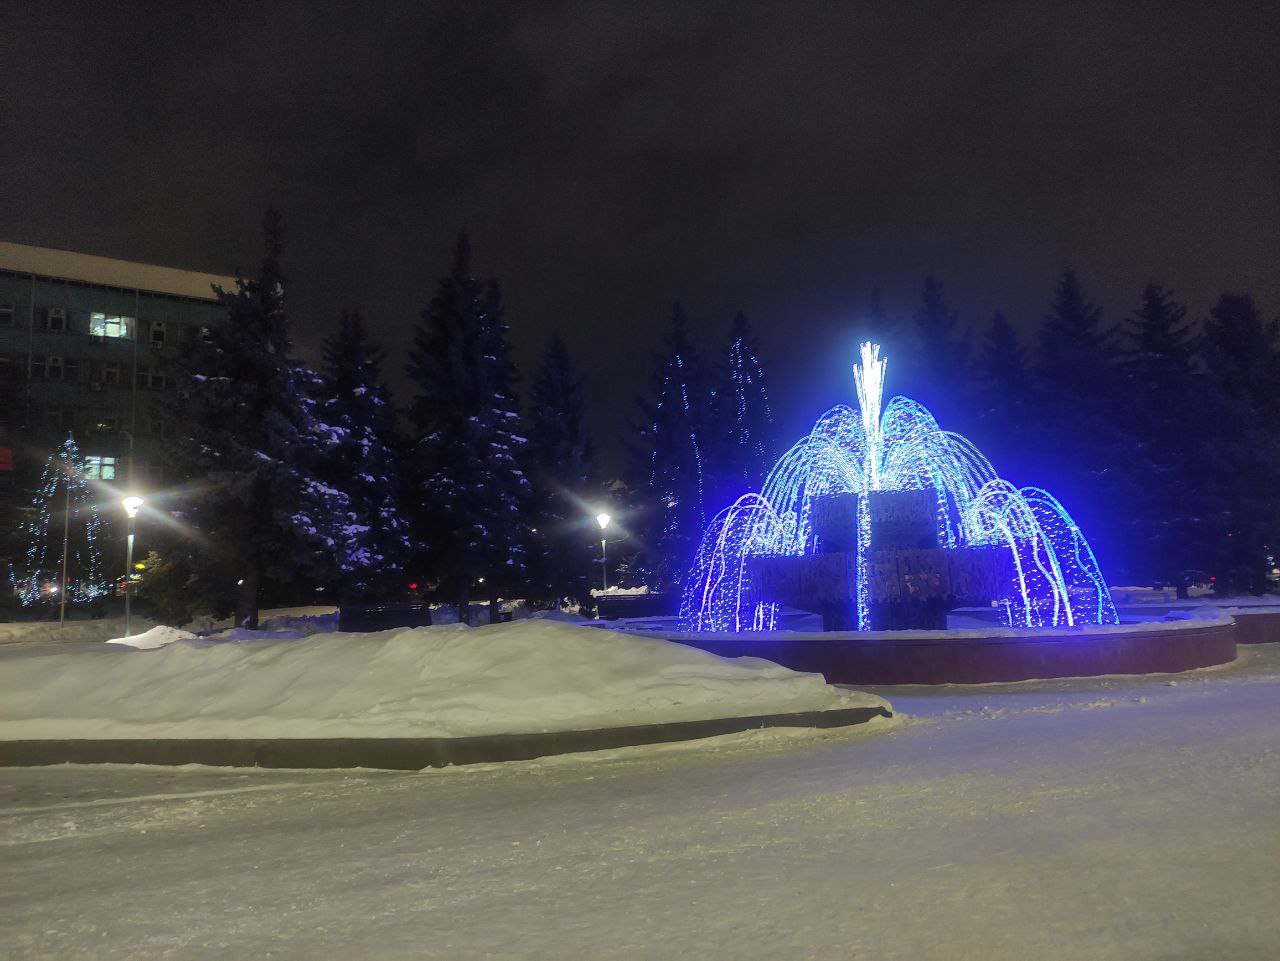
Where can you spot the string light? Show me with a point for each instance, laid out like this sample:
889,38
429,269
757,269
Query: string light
63,478
1056,579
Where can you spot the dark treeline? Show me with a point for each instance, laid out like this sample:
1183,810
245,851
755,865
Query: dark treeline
1158,431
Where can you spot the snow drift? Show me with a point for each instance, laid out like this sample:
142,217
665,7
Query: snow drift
450,681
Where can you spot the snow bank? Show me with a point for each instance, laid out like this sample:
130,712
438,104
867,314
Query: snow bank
530,676
159,636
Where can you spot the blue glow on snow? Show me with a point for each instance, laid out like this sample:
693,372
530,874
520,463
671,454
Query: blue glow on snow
1056,580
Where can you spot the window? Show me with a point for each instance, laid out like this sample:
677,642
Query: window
105,425
111,374
97,467
157,333
55,419
53,368
71,369
149,378
110,325
155,476
157,427
54,318
6,315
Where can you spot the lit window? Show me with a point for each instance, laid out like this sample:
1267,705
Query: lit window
157,333
110,325
99,468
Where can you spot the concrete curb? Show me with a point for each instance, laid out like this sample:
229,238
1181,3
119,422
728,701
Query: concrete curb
400,753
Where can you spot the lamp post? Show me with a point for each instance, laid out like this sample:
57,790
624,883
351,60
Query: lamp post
131,505
603,520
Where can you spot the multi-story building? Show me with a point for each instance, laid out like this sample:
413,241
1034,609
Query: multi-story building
86,345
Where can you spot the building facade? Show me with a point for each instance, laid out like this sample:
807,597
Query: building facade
86,348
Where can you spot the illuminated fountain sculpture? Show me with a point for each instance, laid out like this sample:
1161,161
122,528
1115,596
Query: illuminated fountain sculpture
879,519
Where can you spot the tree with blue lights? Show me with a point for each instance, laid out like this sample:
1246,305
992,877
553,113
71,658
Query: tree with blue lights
363,462
465,464
678,432
64,506
561,468
250,423
741,401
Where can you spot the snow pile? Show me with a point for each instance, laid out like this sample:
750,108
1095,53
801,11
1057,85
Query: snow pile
159,636
453,681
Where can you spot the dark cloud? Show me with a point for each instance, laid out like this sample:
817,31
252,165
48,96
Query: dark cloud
610,158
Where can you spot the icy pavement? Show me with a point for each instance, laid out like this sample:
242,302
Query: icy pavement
1108,819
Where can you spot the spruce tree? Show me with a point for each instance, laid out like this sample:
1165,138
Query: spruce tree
560,459
1084,444
1165,419
1005,389
249,424
747,448
465,462
676,436
1241,354
364,462
943,348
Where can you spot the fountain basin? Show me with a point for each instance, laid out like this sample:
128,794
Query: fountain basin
978,656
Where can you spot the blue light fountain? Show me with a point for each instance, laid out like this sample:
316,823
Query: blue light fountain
879,518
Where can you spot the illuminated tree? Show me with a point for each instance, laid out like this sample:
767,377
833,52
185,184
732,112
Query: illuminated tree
560,460
465,462
677,435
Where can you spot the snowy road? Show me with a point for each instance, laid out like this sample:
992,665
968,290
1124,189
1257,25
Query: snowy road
1119,818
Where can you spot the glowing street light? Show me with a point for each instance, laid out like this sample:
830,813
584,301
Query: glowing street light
132,504
603,520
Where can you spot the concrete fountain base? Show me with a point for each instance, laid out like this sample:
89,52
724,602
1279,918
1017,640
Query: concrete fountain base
1001,654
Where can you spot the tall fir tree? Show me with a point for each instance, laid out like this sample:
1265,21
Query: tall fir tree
249,423
364,462
942,355
1005,392
1158,359
1241,354
465,462
560,459
1083,442
747,445
677,434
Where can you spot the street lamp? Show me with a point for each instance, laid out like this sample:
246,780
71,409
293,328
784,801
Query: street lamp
131,504
603,520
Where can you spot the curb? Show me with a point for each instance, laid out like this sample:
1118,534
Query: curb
400,753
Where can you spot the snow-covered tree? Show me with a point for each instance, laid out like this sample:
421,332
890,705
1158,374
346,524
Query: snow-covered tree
560,460
676,435
363,462
748,450
249,426
465,461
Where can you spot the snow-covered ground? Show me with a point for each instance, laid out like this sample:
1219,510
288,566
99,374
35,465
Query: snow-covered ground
1123,819
302,620
526,676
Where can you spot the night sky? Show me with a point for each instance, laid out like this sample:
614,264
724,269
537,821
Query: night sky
611,158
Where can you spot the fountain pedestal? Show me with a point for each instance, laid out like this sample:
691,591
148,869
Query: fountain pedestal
911,582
